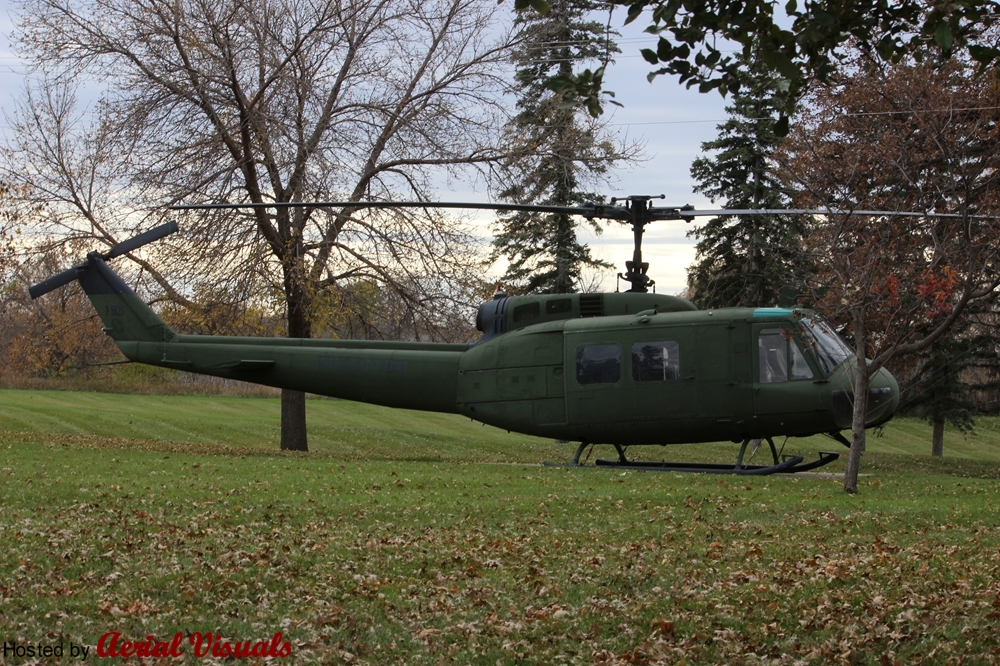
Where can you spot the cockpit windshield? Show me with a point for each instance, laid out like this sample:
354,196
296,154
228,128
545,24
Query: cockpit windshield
829,348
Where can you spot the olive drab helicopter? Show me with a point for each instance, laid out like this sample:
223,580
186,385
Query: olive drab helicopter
622,369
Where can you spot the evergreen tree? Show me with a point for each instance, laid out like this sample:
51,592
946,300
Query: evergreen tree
752,260
938,392
951,376
560,150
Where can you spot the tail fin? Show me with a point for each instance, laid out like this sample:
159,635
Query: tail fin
126,317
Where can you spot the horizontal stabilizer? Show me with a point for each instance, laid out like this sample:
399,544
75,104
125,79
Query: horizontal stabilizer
248,364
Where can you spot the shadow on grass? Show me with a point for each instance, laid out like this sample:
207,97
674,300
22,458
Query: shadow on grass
896,463
872,462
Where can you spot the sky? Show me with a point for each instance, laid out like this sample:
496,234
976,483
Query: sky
669,120
672,122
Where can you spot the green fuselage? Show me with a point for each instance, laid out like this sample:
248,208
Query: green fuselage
616,368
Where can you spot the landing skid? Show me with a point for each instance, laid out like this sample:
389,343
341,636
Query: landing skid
781,464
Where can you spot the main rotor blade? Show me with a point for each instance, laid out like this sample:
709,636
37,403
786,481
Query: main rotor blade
724,212
614,212
134,243
591,210
53,282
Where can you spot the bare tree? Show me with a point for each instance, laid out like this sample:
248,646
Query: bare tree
9,230
903,138
267,101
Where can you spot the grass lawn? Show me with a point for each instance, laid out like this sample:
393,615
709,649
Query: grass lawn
421,538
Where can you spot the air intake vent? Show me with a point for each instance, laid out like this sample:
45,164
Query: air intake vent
591,305
492,317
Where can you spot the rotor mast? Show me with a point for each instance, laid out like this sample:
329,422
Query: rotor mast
640,214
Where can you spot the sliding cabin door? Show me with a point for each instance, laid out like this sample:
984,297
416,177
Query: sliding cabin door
722,378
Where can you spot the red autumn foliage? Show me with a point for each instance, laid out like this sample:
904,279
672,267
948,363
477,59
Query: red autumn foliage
897,139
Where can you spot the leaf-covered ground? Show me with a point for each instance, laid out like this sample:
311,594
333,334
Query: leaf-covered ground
450,561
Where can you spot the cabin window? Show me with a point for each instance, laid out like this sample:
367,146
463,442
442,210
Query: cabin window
558,306
780,357
526,311
599,364
656,361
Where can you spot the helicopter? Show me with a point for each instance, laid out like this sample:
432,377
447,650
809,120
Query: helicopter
622,368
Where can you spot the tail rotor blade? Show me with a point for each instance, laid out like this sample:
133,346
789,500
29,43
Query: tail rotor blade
124,247
136,242
53,282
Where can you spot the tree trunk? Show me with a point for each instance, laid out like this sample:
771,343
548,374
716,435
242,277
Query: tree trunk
564,238
293,403
857,427
937,446
293,421
861,380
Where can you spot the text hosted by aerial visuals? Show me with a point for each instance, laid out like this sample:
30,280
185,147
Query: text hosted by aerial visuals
113,644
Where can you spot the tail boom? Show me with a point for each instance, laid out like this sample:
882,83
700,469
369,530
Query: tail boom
405,375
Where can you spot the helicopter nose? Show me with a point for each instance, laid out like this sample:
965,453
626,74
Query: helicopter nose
883,400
